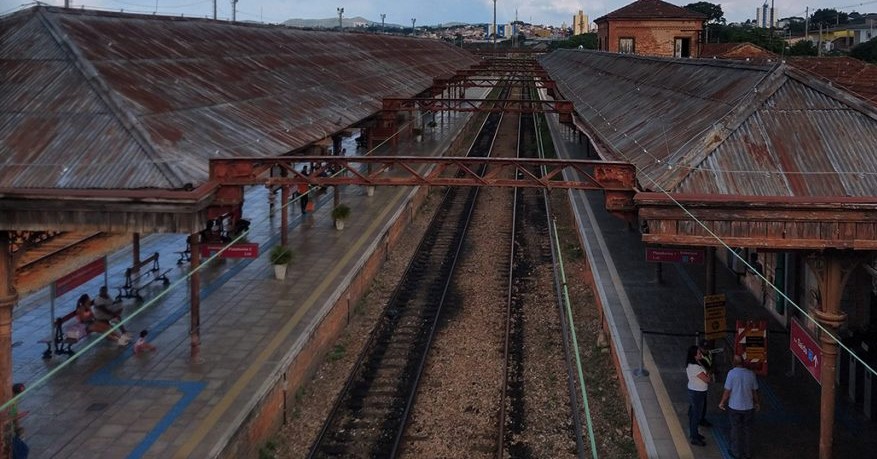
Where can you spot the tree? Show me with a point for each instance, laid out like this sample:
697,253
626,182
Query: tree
803,48
866,51
796,25
828,17
714,12
585,40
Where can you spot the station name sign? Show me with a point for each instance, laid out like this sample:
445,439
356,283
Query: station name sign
242,250
674,255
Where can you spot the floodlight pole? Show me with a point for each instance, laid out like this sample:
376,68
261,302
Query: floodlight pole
383,16
494,24
413,20
340,19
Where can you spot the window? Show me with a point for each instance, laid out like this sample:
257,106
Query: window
626,45
682,47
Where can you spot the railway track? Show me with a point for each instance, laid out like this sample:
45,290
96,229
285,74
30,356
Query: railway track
532,247
369,417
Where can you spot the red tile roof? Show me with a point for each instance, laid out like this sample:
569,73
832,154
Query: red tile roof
652,9
735,51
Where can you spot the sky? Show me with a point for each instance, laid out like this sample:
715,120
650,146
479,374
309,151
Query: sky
433,12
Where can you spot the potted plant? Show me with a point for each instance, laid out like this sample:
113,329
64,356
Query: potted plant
339,214
431,124
418,134
280,257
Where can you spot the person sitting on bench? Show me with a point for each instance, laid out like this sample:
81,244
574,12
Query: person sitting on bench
106,309
91,324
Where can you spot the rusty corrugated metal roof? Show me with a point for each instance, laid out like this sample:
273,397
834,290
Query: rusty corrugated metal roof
718,127
116,101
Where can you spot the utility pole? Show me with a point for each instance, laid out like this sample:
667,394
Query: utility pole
234,10
340,19
413,20
214,10
383,16
807,23
494,24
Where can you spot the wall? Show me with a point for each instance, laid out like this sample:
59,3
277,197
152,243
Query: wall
651,37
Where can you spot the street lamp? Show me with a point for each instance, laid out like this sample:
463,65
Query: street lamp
413,20
340,15
383,16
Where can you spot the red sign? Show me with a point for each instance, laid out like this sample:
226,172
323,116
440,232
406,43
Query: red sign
80,276
669,255
806,349
751,343
242,250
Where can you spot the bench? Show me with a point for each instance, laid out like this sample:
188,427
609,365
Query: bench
185,255
134,277
59,342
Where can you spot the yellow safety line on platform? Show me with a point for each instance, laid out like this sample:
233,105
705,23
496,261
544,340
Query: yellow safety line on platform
683,448
230,396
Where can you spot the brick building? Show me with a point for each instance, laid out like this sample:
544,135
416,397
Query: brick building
653,28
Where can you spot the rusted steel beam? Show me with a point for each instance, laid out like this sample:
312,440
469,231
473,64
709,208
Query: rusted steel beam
617,179
775,222
562,107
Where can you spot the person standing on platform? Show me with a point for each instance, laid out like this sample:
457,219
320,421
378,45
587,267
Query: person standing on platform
303,193
706,361
698,382
742,400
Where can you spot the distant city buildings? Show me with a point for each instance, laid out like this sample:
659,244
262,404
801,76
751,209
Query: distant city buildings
580,22
765,17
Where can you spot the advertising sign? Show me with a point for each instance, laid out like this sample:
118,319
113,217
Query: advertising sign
751,343
82,275
672,255
806,349
714,322
242,250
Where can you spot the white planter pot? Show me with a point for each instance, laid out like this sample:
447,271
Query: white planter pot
280,272
339,224
418,138
370,191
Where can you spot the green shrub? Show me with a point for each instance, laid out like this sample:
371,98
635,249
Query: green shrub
280,255
341,212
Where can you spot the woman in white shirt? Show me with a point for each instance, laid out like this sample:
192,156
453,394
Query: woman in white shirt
698,381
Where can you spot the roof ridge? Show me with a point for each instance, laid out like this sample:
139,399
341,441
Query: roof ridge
699,148
128,121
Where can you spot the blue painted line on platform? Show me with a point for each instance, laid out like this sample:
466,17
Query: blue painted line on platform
189,389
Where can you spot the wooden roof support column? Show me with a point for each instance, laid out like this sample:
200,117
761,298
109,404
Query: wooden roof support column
8,298
832,269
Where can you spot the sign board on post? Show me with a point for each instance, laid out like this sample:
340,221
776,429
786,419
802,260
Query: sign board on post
673,255
241,250
751,343
806,349
714,322
82,275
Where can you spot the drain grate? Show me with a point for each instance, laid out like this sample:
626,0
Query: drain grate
97,407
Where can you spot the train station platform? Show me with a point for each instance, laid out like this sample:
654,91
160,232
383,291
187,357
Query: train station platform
108,402
256,331
787,425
